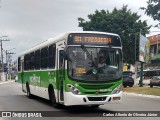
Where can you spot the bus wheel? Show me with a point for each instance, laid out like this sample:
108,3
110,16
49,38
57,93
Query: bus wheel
53,98
28,91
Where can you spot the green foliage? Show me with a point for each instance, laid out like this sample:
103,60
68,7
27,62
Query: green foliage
123,22
153,9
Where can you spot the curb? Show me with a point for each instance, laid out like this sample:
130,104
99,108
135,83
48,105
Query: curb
141,95
4,82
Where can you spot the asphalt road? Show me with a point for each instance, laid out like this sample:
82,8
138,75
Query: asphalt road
13,99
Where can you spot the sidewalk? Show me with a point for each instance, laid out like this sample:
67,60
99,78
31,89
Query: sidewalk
144,91
141,95
7,81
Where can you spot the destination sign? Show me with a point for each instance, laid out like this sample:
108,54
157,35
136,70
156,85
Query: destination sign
93,39
85,39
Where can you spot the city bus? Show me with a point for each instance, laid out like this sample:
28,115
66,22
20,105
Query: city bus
66,71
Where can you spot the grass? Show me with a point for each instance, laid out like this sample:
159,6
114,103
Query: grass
143,90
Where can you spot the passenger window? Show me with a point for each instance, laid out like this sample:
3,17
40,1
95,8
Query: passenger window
52,54
19,64
37,60
26,62
44,57
32,60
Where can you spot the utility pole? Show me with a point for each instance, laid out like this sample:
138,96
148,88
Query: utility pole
7,53
157,37
135,48
2,40
141,77
9,68
135,55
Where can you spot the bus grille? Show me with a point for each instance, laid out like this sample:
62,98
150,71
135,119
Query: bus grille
95,92
93,87
97,98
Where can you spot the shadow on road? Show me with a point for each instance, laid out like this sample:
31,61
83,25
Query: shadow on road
73,111
87,111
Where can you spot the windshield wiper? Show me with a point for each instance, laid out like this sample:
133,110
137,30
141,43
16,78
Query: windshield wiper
88,55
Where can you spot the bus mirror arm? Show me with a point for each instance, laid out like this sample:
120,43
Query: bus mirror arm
64,55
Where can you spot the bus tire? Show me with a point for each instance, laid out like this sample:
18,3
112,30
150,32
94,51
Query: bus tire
151,86
28,91
53,98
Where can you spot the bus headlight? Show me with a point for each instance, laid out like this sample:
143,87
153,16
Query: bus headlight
117,90
73,89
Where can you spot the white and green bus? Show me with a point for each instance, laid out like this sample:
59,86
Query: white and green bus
74,68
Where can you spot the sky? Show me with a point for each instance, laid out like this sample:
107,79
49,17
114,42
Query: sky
29,22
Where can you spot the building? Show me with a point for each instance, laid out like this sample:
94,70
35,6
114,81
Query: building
154,47
154,44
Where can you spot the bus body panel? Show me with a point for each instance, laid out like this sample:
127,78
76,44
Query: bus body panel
72,99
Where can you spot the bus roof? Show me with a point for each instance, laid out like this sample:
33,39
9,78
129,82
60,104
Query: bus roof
59,38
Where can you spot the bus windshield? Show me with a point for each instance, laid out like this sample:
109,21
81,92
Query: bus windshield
94,64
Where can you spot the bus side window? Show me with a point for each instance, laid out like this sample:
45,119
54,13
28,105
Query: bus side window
51,57
26,62
44,58
32,61
19,64
37,59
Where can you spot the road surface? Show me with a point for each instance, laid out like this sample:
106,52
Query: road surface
13,99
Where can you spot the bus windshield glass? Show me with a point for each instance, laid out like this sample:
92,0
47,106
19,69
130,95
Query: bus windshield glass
94,64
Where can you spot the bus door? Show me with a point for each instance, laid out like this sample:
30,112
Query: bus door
61,76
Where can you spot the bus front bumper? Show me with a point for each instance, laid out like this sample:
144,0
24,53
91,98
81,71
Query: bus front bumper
71,99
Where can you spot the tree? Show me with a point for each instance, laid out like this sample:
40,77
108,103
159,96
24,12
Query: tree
122,22
153,9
